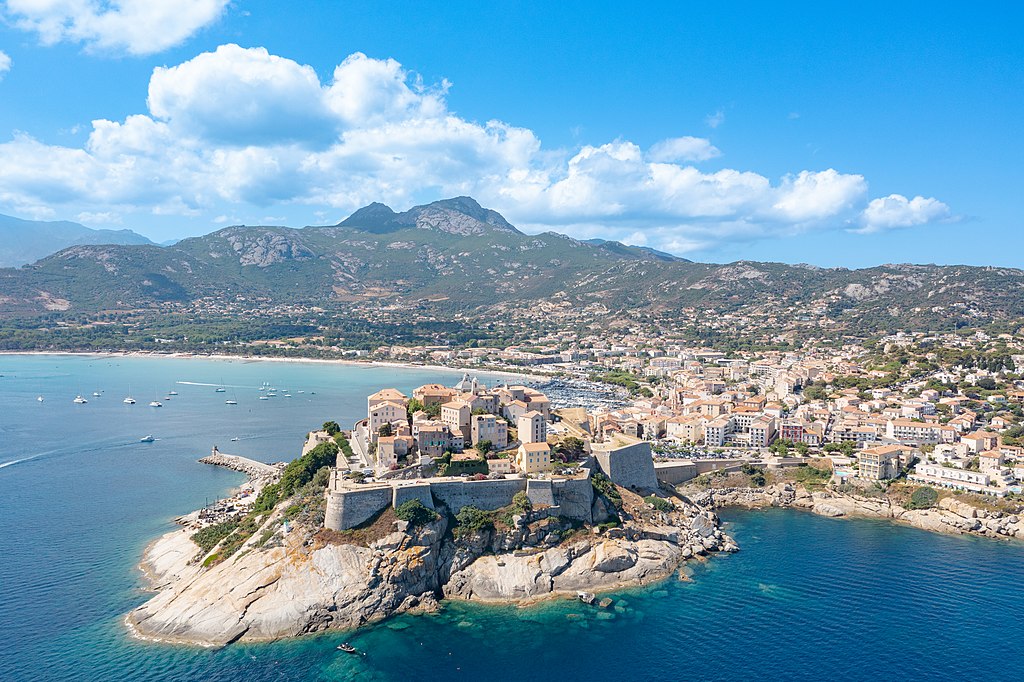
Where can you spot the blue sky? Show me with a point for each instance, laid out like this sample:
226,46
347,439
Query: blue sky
853,136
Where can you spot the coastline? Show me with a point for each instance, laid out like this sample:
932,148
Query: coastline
220,357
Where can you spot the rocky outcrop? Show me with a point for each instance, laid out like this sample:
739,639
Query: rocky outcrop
304,583
951,515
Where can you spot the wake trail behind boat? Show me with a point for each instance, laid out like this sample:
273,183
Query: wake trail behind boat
95,447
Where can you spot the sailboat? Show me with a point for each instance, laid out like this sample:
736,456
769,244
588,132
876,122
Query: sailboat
233,400
79,400
129,400
221,389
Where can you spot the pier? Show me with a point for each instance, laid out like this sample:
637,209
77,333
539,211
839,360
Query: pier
249,467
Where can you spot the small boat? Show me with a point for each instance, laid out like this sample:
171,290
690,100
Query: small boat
96,394
230,402
172,393
147,439
221,389
234,439
287,395
40,398
167,397
271,395
129,400
156,403
301,391
79,400
347,648
263,397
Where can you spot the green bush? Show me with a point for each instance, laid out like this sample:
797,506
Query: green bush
659,503
603,485
208,537
415,513
923,498
521,503
472,519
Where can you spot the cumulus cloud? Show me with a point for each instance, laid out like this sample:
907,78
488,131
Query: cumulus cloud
5,63
679,149
238,130
895,211
137,27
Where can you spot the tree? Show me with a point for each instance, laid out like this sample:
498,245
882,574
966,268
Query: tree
385,431
483,447
332,428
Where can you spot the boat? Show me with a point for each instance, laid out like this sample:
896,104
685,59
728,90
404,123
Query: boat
271,395
128,400
230,402
156,403
287,395
147,439
40,398
79,400
96,394
234,439
221,389
347,648
172,393
263,397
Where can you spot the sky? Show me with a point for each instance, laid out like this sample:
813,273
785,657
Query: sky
850,135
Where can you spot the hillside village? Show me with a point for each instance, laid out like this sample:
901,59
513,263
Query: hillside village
685,413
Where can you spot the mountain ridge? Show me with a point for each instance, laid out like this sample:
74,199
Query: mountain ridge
470,258
26,241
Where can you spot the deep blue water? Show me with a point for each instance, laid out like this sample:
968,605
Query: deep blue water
807,598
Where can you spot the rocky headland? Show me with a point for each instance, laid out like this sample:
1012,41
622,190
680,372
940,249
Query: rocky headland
949,515
287,580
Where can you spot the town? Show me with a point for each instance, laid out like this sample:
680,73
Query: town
683,413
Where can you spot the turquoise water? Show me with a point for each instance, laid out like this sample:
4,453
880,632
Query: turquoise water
807,598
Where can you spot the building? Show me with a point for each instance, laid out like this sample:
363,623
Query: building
490,428
455,415
918,433
957,479
533,458
532,427
883,462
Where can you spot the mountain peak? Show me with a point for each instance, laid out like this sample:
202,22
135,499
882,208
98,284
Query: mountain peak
460,215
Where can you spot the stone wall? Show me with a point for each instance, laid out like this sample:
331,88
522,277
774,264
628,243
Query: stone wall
351,508
630,466
575,497
486,495
348,507
413,491
675,473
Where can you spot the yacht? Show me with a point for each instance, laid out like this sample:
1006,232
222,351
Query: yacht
129,400
221,389
263,397
147,439
79,400
156,403
172,393
230,401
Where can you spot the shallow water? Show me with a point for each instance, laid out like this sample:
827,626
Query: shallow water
807,598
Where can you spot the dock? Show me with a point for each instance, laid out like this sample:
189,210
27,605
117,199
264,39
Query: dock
249,467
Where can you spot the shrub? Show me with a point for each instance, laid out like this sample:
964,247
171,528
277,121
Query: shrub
472,519
415,513
332,428
603,485
208,537
659,503
521,503
923,498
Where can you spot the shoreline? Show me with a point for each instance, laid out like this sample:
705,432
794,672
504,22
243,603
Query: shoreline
220,357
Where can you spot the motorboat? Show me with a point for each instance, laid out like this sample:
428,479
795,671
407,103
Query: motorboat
347,648
96,394
156,403
40,398
79,400
147,439
230,402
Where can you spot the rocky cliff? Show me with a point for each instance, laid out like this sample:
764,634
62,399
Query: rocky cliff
302,582
950,515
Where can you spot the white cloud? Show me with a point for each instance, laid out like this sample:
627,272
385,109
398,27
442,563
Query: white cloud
895,211
242,132
137,27
677,149
5,63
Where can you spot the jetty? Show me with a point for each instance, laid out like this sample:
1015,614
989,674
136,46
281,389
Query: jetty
249,467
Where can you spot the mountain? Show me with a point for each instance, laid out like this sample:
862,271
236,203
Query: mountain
456,255
26,241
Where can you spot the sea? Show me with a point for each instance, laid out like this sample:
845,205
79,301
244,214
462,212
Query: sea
806,598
